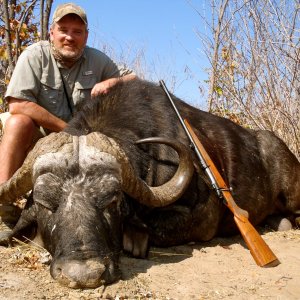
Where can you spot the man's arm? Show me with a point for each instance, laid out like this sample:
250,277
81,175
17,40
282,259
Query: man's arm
37,113
103,87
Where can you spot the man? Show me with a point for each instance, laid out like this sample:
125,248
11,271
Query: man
50,82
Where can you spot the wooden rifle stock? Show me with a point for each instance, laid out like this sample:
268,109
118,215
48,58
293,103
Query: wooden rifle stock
260,251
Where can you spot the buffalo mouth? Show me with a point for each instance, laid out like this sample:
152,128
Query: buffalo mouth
86,273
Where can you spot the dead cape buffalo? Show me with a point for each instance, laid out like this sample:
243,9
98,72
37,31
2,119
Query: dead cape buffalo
96,191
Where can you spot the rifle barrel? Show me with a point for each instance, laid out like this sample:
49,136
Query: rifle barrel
202,161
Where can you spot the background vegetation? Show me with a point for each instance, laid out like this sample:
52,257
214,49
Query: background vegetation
253,49
252,46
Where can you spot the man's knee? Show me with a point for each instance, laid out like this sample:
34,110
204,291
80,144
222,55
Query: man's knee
19,123
19,130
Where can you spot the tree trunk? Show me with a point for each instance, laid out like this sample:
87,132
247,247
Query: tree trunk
46,18
8,38
217,32
42,18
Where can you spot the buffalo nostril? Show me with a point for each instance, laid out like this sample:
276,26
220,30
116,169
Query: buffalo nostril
79,274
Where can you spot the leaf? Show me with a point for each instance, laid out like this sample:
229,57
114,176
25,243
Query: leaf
18,8
218,90
3,53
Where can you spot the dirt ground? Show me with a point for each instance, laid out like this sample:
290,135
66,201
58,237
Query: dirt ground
220,269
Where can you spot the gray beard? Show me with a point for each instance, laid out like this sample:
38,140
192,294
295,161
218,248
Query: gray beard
62,59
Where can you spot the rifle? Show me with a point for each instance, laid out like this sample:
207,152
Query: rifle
262,254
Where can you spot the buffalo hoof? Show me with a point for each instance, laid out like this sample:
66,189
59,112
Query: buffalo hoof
5,238
135,241
278,223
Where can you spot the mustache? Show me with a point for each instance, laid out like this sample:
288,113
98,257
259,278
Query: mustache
70,45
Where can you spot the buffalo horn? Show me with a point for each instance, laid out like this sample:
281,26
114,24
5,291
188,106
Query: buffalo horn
134,186
173,189
21,182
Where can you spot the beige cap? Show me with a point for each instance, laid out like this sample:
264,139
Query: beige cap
66,9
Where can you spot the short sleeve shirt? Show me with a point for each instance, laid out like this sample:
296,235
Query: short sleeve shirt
38,77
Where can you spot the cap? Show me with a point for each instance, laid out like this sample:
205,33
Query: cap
68,8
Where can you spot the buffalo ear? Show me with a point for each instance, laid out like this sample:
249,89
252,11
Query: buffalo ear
27,219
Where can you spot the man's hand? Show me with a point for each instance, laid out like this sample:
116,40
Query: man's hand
103,87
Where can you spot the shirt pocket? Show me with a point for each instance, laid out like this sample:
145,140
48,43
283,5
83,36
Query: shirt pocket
49,97
82,90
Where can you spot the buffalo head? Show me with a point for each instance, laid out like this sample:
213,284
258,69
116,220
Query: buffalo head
78,184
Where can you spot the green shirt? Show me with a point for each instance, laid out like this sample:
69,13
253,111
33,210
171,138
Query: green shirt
38,78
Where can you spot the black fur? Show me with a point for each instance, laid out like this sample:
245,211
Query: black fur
256,165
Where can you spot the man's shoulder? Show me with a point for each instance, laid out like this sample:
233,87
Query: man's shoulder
37,49
39,46
94,53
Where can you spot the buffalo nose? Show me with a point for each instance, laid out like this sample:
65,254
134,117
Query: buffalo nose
78,274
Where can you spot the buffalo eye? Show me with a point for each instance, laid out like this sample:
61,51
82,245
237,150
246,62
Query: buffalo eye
109,199
47,191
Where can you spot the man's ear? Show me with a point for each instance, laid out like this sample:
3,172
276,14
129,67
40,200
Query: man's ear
86,35
51,32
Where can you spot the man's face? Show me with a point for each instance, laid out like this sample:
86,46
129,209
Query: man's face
69,36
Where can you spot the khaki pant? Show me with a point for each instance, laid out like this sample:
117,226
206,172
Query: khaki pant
3,118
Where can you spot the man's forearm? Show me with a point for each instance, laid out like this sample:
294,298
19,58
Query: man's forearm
37,113
104,86
127,77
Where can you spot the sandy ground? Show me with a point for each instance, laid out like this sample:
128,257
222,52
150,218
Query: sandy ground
220,269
